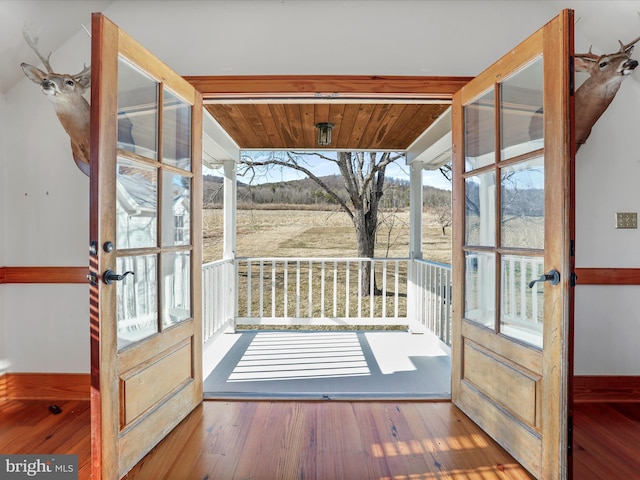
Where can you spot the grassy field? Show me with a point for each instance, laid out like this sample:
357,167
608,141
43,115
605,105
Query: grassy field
312,233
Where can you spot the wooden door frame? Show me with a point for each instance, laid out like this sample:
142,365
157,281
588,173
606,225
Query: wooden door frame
327,87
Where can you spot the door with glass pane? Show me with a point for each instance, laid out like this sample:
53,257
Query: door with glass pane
145,234
512,249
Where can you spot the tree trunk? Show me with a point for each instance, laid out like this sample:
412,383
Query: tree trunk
366,249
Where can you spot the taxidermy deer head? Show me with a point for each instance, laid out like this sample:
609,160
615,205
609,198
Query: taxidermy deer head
65,92
606,73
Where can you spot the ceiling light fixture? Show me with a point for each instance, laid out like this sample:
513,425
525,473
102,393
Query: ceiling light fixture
324,133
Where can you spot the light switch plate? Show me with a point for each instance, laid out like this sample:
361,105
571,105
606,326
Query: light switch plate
626,219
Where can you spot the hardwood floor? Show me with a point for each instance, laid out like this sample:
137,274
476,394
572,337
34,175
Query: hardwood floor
27,426
606,441
328,440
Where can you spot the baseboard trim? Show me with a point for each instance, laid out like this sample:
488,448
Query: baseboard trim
43,274
606,388
46,386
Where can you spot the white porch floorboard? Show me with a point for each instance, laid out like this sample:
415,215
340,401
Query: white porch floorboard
328,365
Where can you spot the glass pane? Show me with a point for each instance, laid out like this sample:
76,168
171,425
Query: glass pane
521,111
522,205
480,132
480,210
137,111
137,299
176,284
136,205
176,131
480,284
176,215
521,307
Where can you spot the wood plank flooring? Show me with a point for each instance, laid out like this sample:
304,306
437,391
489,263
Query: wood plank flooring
27,426
606,441
327,440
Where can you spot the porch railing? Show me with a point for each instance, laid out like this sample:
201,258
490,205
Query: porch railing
433,290
321,291
326,291
218,297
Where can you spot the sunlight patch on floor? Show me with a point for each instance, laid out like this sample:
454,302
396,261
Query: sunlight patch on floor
280,356
394,350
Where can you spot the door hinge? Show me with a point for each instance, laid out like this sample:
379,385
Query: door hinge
573,279
93,278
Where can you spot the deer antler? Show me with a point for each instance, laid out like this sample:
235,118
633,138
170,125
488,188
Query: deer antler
627,48
33,43
588,56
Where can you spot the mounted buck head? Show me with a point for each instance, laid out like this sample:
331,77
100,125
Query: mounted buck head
65,92
594,96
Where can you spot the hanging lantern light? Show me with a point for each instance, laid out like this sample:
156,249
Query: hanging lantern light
324,133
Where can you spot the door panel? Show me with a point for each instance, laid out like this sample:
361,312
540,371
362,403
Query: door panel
513,203
145,229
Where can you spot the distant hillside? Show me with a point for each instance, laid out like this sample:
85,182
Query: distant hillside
306,192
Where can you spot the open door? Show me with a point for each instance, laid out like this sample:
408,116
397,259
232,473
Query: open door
513,201
145,231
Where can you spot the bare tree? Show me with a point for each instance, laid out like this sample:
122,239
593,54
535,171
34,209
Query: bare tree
363,174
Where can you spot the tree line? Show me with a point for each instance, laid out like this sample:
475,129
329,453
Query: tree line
306,192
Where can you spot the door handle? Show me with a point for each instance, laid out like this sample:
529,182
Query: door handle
110,276
553,277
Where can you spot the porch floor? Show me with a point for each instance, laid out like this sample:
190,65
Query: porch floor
349,365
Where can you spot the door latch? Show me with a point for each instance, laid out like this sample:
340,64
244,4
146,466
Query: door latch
553,277
110,276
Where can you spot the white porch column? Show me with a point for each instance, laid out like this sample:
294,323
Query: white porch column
415,237
229,210
415,211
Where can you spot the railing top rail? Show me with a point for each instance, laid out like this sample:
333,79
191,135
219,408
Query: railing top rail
431,262
324,259
218,262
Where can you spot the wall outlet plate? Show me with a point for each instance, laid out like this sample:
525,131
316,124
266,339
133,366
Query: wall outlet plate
626,219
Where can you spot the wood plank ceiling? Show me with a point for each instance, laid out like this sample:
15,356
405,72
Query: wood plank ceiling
357,126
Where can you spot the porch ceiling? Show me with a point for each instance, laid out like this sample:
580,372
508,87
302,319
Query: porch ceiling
368,113
357,126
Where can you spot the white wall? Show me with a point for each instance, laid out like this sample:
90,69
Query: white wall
607,318
3,203
45,207
45,197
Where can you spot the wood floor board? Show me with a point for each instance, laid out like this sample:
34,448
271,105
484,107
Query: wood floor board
606,440
328,440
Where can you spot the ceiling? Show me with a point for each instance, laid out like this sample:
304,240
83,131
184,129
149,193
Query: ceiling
357,126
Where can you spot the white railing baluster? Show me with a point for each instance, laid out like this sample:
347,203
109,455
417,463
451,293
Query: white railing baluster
322,280
273,288
384,290
347,295
298,288
335,288
396,297
261,309
249,280
285,281
372,283
310,311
